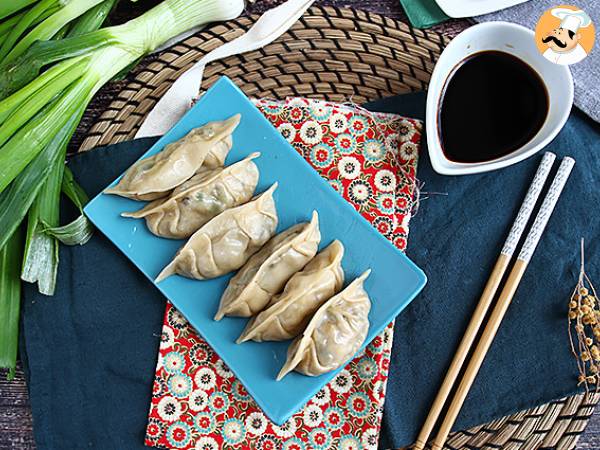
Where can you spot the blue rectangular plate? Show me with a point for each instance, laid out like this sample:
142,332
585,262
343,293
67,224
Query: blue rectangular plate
393,283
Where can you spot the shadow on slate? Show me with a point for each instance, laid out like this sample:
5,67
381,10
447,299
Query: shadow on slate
90,351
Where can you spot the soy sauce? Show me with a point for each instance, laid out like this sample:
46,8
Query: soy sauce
492,104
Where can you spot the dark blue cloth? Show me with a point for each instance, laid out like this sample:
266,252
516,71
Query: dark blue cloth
455,238
91,350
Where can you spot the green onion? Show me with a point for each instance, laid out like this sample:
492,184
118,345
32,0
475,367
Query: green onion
9,103
26,143
80,230
9,24
92,19
16,200
10,300
50,26
33,104
28,19
8,7
45,87
40,263
25,68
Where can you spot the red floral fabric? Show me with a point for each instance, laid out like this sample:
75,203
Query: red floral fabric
197,402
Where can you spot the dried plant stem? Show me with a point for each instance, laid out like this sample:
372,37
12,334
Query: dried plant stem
584,319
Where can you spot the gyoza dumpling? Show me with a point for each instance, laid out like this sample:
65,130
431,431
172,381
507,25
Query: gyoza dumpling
156,176
267,271
334,335
227,241
289,312
199,199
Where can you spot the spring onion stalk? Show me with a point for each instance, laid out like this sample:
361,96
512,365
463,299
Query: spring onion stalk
40,262
18,73
23,69
62,32
33,104
8,7
10,104
42,106
31,139
10,300
92,19
49,27
16,200
80,230
8,24
134,39
28,19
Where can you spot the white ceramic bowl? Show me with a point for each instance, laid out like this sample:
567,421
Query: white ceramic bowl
520,42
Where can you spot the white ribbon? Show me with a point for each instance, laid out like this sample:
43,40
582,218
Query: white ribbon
180,96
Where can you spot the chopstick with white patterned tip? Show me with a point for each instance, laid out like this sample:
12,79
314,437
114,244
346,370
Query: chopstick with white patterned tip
486,297
510,287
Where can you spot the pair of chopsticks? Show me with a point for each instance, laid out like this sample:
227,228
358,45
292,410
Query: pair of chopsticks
504,299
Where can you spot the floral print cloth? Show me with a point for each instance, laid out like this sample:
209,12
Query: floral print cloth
197,402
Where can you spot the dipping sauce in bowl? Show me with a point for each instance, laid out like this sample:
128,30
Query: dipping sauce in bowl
492,104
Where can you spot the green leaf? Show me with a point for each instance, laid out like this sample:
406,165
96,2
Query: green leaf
40,263
92,19
18,197
71,189
80,230
40,131
10,300
28,19
8,7
77,232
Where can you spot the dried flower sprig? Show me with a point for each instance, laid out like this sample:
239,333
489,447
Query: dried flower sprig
584,329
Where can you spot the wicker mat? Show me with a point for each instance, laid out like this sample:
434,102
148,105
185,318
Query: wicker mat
340,55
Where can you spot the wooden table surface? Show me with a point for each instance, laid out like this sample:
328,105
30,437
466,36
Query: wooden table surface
16,424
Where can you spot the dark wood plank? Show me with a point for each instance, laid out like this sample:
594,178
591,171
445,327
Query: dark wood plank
16,425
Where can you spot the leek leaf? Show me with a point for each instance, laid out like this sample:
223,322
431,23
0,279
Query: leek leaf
8,7
21,115
40,263
49,27
16,200
17,73
28,19
9,24
10,301
32,138
92,19
80,230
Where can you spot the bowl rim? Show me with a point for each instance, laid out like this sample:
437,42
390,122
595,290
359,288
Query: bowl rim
440,163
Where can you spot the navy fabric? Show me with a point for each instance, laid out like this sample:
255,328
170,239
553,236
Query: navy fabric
90,351
455,237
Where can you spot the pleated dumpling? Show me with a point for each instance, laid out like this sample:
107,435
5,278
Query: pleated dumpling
267,271
289,312
334,334
227,241
156,176
199,199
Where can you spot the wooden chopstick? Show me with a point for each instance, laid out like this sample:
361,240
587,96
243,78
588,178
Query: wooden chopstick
486,297
499,310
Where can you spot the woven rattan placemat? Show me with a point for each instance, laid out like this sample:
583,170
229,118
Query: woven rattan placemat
340,55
